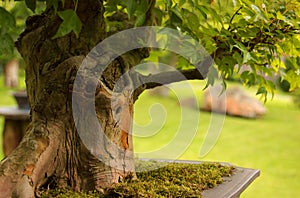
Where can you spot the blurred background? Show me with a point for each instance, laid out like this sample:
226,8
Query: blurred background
269,142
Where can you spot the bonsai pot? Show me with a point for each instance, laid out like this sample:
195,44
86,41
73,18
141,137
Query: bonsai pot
232,187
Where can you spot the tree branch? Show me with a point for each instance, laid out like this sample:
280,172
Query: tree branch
155,80
142,82
236,12
150,81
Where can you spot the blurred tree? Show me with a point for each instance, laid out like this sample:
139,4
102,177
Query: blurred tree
10,30
12,16
256,33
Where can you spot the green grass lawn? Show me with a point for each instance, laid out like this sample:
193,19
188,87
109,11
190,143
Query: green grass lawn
270,144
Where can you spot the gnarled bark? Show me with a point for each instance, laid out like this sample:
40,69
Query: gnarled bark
51,153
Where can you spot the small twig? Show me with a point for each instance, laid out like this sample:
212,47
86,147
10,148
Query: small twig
236,12
76,5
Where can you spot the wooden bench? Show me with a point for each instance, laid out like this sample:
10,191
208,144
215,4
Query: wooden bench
15,122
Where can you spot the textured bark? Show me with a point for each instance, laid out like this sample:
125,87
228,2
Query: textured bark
51,153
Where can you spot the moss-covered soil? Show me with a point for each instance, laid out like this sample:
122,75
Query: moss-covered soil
172,180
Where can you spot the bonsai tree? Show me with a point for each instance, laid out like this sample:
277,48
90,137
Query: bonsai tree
56,41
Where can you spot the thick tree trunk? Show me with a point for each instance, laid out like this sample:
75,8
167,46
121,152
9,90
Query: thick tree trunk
51,153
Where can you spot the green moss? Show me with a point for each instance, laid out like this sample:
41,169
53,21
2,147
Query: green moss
172,180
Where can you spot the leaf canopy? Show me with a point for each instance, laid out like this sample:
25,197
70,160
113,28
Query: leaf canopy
262,35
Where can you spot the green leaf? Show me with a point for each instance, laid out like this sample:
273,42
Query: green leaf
176,11
260,14
261,90
248,78
209,44
191,19
52,3
241,47
131,7
183,63
215,16
111,6
203,10
154,56
140,12
63,3
71,22
31,4
6,44
143,6
169,4
181,3
239,59
187,49
293,77
159,15
175,17
247,57
211,76
279,16
7,19
140,19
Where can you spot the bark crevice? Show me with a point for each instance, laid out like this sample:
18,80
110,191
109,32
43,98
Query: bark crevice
52,154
